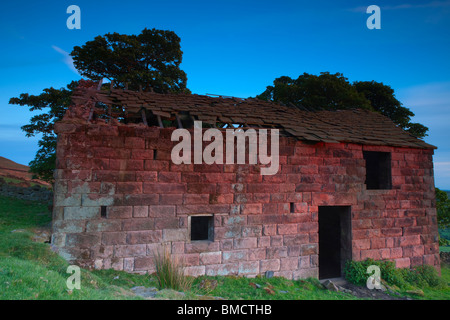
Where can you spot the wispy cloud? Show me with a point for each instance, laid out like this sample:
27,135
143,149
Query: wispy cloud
442,174
443,166
13,133
428,95
67,58
432,4
431,104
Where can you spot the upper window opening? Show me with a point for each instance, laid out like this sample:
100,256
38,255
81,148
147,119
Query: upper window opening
103,211
378,170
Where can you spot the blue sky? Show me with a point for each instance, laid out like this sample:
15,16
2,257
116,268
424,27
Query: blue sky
237,48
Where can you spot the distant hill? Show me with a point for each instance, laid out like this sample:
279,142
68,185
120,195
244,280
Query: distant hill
9,164
17,174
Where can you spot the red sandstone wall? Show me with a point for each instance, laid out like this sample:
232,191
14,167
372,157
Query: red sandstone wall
149,199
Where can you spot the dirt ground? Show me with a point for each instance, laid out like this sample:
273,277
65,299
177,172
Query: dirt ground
362,291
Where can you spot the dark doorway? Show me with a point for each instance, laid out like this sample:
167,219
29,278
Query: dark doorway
335,240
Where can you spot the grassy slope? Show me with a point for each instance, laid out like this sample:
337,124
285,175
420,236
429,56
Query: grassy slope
18,174
236,288
30,270
15,181
445,233
9,164
442,294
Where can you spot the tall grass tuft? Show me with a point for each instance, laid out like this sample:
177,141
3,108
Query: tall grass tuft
170,272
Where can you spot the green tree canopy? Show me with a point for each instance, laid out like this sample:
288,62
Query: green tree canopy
151,59
382,99
334,92
53,102
443,209
326,91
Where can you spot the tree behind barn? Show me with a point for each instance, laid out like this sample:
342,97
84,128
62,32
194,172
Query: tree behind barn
334,92
150,60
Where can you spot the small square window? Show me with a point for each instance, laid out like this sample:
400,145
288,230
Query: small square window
292,207
378,170
202,228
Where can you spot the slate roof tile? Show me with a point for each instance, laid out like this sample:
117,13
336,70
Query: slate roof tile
356,126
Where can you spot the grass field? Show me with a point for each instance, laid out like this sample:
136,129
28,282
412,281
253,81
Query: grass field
30,270
15,181
445,233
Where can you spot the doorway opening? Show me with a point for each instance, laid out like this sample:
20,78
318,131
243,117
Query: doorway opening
335,240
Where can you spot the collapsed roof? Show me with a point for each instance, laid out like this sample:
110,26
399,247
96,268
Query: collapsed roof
354,126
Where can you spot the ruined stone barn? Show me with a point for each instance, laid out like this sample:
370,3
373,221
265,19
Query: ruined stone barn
350,185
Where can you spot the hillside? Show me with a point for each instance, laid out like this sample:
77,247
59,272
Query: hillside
18,174
30,270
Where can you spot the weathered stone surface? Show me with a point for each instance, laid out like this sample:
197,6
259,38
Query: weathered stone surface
81,213
118,196
328,284
144,292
